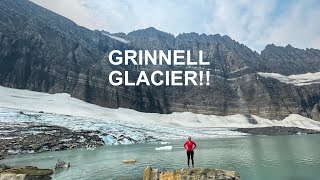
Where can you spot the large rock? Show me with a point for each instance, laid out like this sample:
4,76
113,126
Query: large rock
147,174
62,164
25,173
191,174
1,155
4,167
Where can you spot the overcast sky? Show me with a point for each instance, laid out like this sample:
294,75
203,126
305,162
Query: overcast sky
254,23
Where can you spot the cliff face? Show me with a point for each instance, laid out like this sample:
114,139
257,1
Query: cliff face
289,60
43,51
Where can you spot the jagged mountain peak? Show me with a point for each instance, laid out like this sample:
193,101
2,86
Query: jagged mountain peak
149,31
288,47
269,46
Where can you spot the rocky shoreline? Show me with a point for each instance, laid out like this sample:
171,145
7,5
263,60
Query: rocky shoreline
25,138
277,130
33,132
25,133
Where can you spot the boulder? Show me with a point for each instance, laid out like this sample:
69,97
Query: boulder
147,174
4,167
128,161
62,164
25,173
191,173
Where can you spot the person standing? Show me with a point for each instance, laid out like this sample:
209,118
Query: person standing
190,146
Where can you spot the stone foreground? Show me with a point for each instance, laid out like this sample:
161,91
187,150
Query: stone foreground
191,174
24,173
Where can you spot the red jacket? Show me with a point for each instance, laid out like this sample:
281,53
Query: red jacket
188,145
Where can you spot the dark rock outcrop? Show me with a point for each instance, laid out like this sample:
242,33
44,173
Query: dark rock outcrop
62,164
277,130
34,138
4,167
43,51
2,155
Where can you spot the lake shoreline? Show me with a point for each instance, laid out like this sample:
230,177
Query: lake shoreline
276,131
86,139
248,155
31,138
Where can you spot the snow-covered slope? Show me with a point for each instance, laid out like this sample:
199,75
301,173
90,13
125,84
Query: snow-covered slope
298,80
64,104
117,38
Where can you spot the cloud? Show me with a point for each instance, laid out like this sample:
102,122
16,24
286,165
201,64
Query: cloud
244,20
299,26
125,16
251,22
72,9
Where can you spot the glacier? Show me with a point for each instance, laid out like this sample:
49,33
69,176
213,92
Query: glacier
126,126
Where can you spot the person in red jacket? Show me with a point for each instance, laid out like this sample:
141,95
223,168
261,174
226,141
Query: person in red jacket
190,146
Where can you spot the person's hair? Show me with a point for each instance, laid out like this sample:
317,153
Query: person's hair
189,137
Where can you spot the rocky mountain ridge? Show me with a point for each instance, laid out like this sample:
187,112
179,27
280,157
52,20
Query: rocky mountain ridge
43,51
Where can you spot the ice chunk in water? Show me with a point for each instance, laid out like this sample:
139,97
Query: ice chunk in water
164,148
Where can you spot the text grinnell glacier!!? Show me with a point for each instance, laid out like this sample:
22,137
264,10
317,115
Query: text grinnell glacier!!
157,77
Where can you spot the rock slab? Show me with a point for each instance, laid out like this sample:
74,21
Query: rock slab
191,174
25,173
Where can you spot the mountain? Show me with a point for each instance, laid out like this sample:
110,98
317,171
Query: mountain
289,60
43,51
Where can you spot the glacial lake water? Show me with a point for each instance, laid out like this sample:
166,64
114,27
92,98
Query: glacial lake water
295,157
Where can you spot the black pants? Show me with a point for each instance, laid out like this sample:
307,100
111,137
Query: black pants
190,155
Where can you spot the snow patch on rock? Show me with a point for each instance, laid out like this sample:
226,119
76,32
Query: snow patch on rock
298,79
117,38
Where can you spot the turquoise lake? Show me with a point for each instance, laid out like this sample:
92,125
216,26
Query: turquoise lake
295,157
